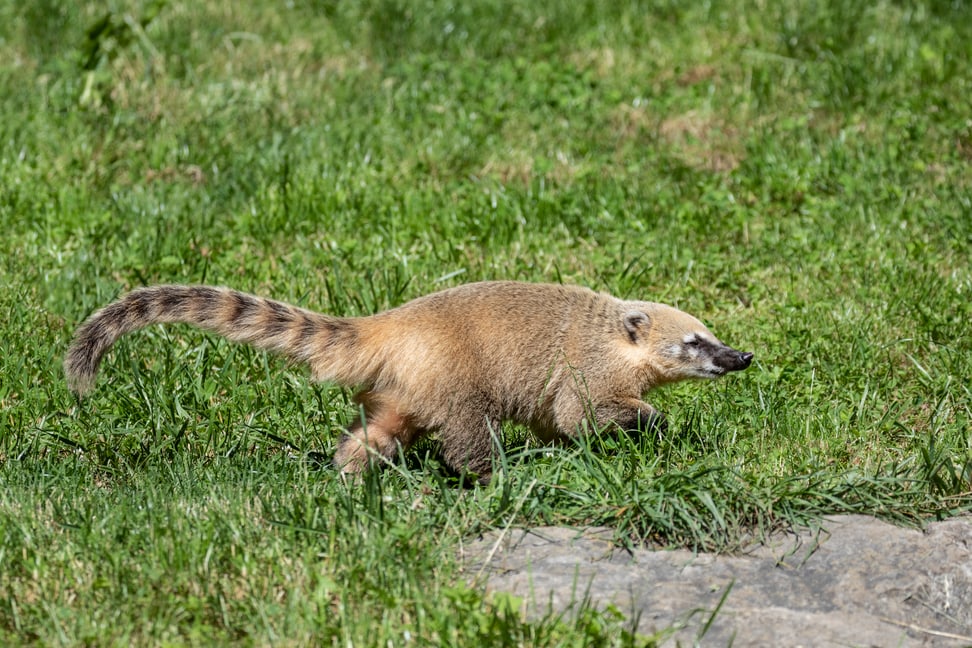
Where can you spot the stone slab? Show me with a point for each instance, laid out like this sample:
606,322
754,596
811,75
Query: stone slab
856,581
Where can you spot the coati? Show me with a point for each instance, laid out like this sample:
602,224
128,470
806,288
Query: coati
456,362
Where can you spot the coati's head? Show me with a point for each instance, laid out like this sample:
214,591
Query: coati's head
677,346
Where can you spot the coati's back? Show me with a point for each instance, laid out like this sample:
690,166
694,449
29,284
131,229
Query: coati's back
475,318
508,341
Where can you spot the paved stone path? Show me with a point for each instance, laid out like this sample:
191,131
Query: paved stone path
856,582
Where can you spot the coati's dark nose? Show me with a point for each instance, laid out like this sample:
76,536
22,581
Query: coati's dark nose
728,359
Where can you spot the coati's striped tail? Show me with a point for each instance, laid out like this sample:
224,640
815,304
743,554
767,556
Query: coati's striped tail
298,334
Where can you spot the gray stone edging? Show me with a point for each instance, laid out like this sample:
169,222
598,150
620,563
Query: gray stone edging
856,581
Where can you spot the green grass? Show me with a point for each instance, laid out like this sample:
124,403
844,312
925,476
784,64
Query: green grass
798,176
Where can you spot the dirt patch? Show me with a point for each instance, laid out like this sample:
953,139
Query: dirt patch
854,581
703,141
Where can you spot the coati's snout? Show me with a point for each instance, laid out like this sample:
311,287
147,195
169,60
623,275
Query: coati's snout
700,355
728,359
719,359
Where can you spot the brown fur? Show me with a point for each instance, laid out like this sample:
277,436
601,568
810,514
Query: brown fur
457,362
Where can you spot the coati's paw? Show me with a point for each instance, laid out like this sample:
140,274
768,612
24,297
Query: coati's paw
470,478
644,421
352,456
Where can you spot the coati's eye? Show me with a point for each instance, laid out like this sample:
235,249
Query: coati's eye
692,342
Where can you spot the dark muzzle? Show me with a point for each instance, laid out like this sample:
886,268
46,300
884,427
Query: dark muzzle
732,360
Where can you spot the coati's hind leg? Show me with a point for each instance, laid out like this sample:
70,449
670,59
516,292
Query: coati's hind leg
468,441
386,428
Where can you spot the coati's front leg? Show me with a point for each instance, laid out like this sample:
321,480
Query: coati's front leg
630,415
386,428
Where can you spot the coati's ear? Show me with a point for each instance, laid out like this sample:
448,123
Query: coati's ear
636,323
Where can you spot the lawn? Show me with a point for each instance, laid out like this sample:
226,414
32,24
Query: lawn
797,175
